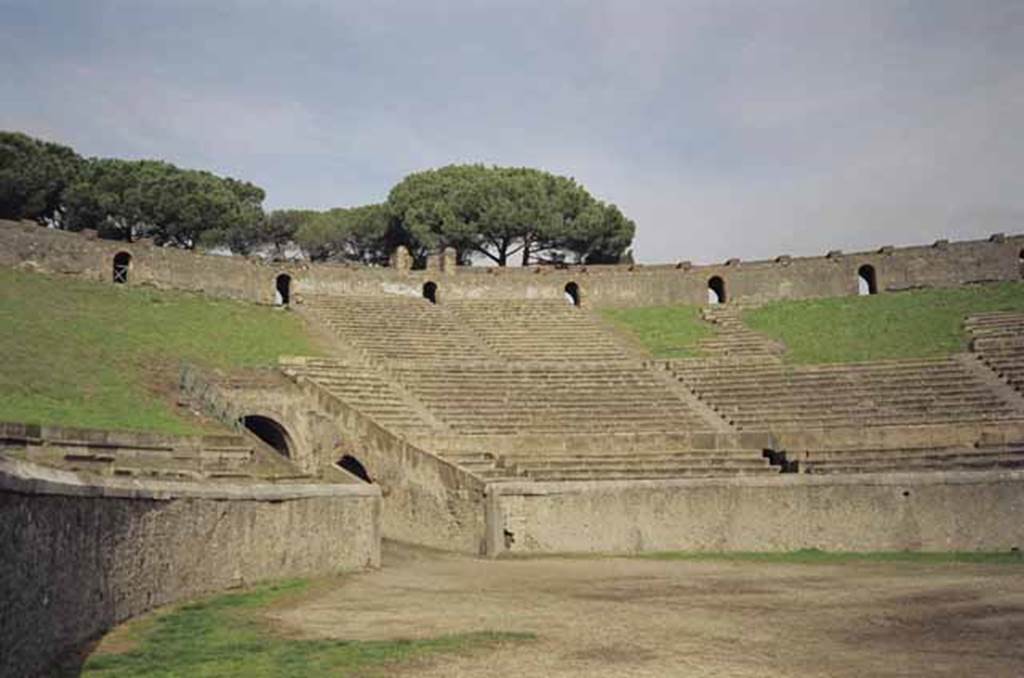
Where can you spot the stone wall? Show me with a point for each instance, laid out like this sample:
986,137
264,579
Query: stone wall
426,500
940,265
917,512
79,557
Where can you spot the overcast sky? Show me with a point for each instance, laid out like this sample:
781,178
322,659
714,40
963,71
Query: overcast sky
723,129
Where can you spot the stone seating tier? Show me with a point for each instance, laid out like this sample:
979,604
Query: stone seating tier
875,460
940,390
538,330
998,339
124,454
489,399
366,389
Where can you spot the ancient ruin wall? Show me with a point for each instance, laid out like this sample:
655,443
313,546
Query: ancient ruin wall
426,500
942,264
917,512
79,557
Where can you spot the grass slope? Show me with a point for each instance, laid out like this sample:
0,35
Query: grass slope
87,354
913,324
227,636
665,331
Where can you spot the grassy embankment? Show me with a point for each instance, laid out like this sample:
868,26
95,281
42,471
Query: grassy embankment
665,331
87,354
818,557
913,324
229,635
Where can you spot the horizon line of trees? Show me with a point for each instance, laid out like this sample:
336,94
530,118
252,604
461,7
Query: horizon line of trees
492,213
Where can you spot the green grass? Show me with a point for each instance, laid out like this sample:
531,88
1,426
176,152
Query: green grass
227,636
665,331
87,354
913,324
816,556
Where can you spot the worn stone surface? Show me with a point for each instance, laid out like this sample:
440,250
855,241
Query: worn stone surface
918,512
28,245
80,556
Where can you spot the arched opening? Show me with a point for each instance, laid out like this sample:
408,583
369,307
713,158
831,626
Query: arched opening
270,432
430,291
716,290
355,467
572,293
283,289
866,283
122,262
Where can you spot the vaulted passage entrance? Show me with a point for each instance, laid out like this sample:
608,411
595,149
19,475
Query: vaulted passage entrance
283,289
355,467
572,293
716,290
122,264
866,282
430,292
270,432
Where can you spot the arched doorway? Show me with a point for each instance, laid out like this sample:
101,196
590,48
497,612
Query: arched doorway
122,264
355,467
716,290
283,289
866,282
430,291
270,432
572,293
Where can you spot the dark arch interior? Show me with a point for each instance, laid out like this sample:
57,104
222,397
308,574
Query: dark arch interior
716,290
122,261
270,432
572,293
866,282
355,467
283,285
430,292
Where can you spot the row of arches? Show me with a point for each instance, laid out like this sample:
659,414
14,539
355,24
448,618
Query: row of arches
571,291
274,434
867,284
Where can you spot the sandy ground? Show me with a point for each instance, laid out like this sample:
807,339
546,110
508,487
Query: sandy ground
634,617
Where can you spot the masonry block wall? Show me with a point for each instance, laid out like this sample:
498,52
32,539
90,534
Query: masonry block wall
942,264
79,558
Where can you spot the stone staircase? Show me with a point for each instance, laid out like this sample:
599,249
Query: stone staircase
367,389
991,457
733,338
998,340
539,330
756,396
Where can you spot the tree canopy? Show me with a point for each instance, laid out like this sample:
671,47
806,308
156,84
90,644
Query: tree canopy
33,177
498,212
495,213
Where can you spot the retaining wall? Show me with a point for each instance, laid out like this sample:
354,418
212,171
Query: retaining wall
918,512
80,556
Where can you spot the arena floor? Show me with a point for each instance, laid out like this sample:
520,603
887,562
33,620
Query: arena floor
640,617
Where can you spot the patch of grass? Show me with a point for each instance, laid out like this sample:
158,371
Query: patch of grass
225,636
913,324
665,331
79,353
816,556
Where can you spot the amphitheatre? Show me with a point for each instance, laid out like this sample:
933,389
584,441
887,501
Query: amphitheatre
560,456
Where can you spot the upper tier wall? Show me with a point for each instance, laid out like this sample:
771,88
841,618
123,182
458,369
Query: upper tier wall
939,265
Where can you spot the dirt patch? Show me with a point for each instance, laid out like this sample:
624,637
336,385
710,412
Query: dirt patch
636,617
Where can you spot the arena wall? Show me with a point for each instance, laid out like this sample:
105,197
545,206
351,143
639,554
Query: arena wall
917,512
80,556
426,500
942,264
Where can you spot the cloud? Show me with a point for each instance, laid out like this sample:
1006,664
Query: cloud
725,129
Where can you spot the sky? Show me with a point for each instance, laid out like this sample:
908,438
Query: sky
723,128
